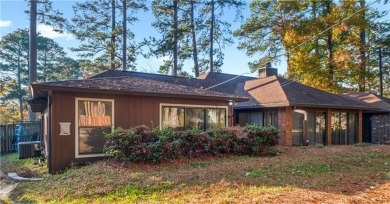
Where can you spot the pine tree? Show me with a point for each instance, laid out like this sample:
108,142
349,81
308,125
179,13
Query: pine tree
170,27
95,25
14,59
216,31
53,64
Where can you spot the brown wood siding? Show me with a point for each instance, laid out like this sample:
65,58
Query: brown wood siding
129,111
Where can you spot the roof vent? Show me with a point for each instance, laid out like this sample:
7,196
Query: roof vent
267,71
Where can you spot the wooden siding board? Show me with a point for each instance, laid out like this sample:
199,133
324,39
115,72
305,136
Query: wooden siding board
62,145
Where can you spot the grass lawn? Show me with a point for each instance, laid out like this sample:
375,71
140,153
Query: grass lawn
336,174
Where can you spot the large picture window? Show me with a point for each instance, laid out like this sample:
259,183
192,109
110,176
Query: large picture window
94,118
189,117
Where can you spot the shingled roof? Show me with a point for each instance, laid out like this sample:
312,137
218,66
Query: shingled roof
270,91
374,100
185,81
204,81
135,85
274,91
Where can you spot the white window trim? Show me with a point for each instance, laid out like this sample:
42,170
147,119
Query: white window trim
77,99
192,106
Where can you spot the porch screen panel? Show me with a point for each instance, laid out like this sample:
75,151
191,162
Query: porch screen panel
94,120
195,118
352,128
340,128
311,125
335,118
320,128
297,128
343,128
216,118
173,117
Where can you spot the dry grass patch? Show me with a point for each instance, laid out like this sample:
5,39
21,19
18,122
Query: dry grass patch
338,174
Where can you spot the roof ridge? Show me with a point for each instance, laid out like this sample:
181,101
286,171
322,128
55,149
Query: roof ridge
289,81
140,78
136,72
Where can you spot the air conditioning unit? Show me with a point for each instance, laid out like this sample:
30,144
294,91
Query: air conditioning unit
29,149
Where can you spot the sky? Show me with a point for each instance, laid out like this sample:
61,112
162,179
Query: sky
13,17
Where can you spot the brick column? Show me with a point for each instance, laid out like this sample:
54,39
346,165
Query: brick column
328,127
360,127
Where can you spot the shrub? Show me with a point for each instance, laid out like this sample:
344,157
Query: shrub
273,151
140,144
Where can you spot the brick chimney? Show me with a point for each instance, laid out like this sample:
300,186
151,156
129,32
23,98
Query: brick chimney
267,71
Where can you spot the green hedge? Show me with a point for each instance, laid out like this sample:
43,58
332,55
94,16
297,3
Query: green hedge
140,144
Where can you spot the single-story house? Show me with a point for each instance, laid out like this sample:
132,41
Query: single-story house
76,113
376,124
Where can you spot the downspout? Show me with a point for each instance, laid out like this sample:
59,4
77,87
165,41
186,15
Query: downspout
49,166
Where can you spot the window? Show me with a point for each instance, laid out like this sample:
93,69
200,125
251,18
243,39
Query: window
271,118
184,117
258,117
216,118
94,118
173,117
194,118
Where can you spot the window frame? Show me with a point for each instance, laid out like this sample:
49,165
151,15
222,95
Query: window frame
77,99
192,106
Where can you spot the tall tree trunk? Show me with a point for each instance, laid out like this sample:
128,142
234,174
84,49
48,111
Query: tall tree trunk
112,54
314,16
175,38
212,36
45,62
329,46
32,71
362,49
124,54
194,46
20,88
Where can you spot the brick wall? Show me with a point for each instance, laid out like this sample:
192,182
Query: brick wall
284,125
380,128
